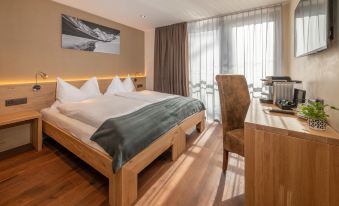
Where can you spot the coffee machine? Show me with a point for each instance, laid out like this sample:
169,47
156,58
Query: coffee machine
278,88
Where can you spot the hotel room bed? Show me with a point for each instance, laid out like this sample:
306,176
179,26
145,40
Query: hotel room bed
75,135
74,132
82,130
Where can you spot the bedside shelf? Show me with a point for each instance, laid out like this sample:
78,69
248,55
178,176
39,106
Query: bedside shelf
33,117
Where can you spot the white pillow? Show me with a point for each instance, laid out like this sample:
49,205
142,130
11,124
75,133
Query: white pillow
91,88
115,86
69,93
129,85
55,104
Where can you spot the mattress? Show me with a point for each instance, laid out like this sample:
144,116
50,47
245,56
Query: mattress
146,96
97,110
78,129
82,119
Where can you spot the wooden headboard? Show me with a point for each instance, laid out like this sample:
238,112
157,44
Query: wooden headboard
46,96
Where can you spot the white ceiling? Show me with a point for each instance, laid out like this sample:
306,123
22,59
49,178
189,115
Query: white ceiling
162,12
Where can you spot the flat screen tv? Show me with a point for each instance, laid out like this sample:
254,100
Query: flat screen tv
313,26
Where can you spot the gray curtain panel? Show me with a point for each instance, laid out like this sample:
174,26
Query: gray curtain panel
170,59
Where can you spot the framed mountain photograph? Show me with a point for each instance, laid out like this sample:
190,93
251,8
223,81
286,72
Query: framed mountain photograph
86,36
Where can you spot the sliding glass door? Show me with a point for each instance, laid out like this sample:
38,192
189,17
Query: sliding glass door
247,43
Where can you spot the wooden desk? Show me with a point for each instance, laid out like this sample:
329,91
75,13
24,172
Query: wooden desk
286,163
27,116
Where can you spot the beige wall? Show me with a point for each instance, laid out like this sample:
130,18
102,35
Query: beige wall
30,40
320,72
149,58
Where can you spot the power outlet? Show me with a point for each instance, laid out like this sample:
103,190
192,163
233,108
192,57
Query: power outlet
13,102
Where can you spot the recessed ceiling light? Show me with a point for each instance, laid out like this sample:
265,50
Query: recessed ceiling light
142,16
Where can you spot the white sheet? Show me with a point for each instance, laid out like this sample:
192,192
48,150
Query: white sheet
95,111
82,119
146,95
78,129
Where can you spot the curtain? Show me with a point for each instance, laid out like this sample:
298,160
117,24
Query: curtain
247,43
170,59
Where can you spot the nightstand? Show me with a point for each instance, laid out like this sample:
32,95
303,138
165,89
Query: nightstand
32,117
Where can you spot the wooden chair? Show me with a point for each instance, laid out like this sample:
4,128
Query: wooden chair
234,102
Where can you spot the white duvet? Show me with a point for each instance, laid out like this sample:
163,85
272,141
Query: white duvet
95,111
146,95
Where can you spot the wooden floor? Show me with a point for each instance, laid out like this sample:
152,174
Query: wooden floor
57,177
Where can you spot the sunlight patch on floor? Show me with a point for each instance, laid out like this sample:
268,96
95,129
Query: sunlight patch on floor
206,135
198,174
235,181
164,187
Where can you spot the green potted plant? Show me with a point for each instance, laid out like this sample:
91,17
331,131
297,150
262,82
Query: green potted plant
316,114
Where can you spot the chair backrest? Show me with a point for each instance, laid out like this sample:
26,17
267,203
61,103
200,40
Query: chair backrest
234,100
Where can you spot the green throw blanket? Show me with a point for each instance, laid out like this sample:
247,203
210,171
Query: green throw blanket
124,137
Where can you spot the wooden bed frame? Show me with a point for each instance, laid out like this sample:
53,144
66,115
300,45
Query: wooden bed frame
123,184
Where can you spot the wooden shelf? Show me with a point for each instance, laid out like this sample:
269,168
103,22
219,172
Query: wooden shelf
33,117
18,117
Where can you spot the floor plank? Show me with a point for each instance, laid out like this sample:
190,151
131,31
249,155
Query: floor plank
57,177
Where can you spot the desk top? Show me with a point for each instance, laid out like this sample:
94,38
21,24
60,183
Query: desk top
259,117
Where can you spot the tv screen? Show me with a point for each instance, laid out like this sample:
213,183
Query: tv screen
311,26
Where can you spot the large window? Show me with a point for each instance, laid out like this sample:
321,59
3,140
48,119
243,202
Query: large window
247,43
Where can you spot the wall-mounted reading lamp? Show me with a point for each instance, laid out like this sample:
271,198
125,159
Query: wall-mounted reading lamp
36,86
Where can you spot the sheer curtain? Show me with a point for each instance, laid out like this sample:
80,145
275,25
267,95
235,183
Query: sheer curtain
247,43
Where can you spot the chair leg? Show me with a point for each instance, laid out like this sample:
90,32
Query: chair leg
225,161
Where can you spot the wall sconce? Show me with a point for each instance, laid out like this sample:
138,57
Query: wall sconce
135,77
43,75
